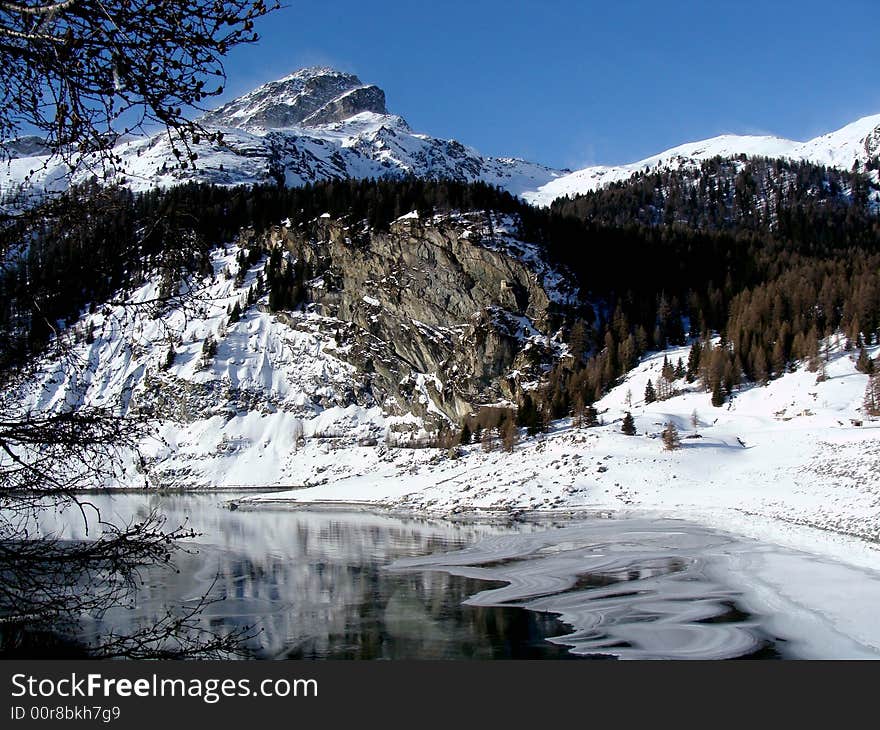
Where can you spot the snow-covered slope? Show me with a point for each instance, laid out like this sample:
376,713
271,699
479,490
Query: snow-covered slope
856,142
420,325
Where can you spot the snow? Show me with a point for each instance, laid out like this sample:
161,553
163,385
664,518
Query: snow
278,407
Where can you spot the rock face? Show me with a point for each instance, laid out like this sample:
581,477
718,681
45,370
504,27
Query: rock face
446,313
309,97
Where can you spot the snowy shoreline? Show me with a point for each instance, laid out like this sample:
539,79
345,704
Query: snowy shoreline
807,479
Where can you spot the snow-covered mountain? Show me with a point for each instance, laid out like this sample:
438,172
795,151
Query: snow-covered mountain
320,123
858,142
308,98
315,124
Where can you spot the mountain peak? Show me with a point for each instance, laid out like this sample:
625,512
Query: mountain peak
308,97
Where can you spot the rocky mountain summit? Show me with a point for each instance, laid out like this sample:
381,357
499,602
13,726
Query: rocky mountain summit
308,98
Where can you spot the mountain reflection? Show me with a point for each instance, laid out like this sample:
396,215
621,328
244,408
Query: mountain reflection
313,584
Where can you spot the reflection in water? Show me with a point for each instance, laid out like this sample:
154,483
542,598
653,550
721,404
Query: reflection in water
313,583
316,584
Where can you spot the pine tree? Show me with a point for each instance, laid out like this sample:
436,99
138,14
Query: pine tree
578,411
693,364
718,395
528,415
478,434
209,350
671,439
577,340
509,434
667,372
591,417
665,388
864,364
680,372
628,426
650,395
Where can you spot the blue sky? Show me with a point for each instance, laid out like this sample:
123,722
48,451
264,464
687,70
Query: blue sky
577,83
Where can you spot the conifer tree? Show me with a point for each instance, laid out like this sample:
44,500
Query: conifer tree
591,417
578,412
650,394
628,426
577,340
209,350
680,372
488,440
718,395
477,437
528,415
864,364
509,434
871,402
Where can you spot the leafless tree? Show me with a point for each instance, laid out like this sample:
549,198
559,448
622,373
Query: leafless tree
671,438
81,76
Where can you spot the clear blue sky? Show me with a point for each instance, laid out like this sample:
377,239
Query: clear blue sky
576,83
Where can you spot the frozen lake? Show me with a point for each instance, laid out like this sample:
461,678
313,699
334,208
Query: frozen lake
348,584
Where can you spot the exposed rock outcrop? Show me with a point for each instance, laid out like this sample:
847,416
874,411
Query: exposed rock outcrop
446,313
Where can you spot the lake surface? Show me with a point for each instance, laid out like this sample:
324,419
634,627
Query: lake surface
347,584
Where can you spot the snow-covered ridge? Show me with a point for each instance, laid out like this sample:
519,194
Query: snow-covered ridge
855,143
320,123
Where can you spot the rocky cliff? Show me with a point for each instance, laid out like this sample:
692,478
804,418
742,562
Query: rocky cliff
454,306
